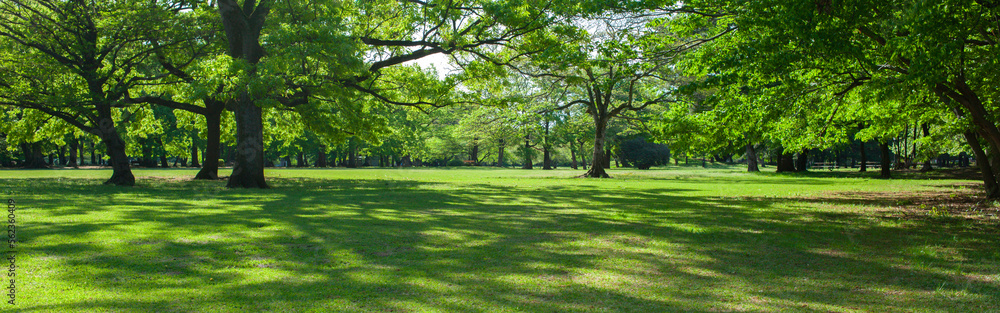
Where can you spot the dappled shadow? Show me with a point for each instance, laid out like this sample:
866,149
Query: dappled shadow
951,202
969,173
403,245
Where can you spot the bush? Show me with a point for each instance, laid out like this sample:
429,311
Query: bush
644,154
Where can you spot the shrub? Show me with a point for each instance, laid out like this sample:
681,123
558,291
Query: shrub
644,154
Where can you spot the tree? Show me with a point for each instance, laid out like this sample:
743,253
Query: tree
34,133
893,52
489,129
76,60
384,33
574,128
243,25
619,66
192,79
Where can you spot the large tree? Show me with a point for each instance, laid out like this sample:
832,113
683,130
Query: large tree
192,78
76,60
890,52
385,34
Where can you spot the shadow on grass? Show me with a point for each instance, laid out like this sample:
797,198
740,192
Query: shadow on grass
969,173
402,245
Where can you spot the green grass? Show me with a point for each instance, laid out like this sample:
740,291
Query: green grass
488,240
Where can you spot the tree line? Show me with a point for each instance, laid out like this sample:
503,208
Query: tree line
261,81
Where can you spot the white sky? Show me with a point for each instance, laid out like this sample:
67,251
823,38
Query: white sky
438,61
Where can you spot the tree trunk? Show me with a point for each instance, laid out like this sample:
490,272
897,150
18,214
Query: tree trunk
599,160
912,159
163,160
163,153
886,159
352,154
607,157
147,152
33,157
927,163
802,163
474,155
121,174
74,146
572,154
988,171
248,166
93,154
786,163
228,154
993,157
194,156
527,154
864,159
321,156
969,99
546,153
752,159
242,25
899,154
81,147
213,125
500,152
62,155
546,158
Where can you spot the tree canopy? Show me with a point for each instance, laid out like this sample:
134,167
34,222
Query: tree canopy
254,83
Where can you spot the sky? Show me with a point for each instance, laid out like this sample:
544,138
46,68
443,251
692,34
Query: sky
439,61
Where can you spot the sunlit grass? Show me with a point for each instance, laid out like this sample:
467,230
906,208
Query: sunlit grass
489,240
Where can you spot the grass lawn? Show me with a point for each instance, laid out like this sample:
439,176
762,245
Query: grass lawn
492,240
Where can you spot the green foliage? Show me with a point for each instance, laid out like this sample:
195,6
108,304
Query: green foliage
804,74
643,154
